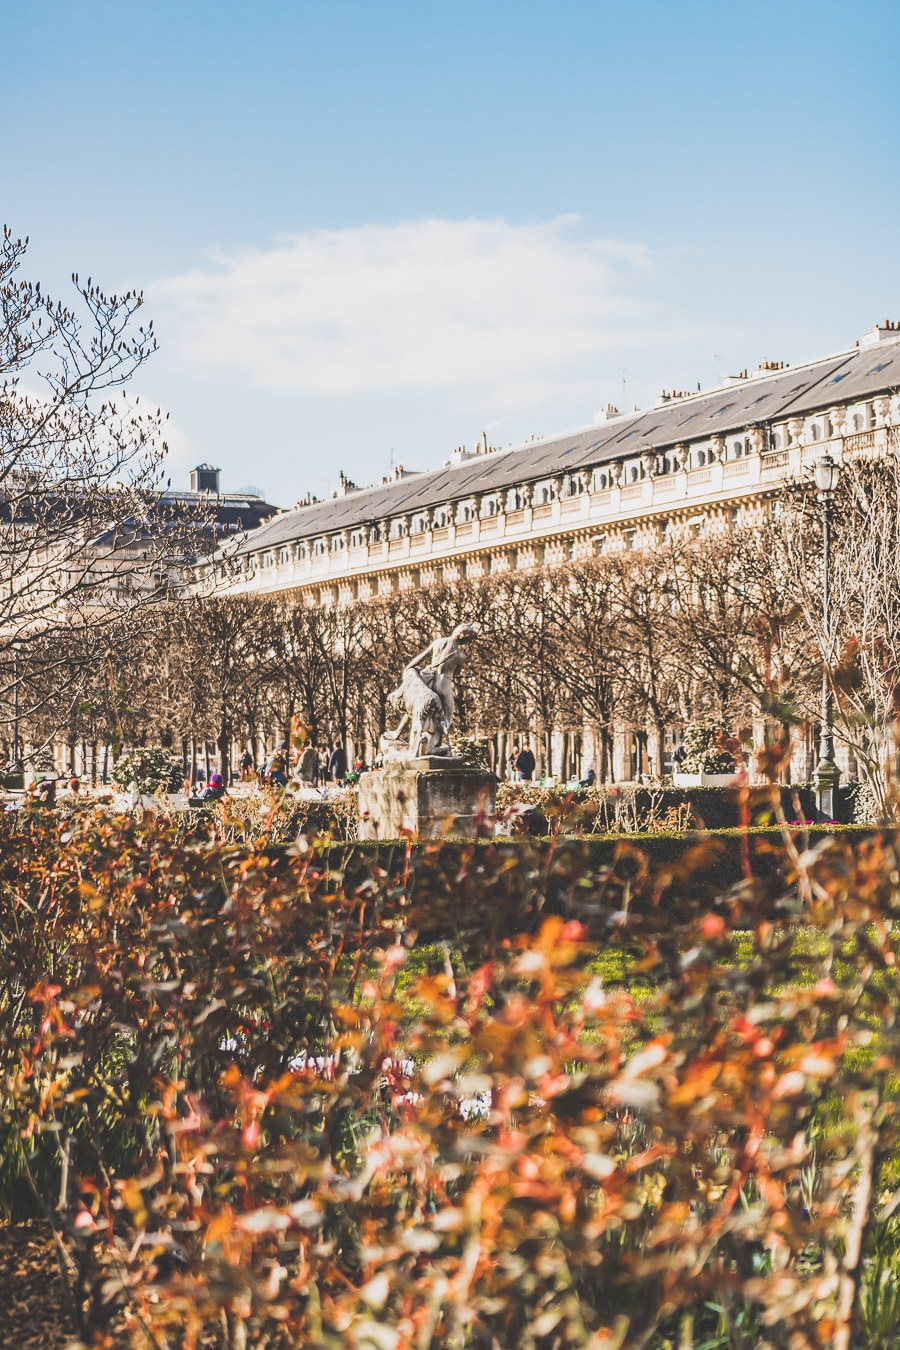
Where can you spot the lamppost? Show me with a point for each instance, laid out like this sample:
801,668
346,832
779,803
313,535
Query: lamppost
827,774
17,762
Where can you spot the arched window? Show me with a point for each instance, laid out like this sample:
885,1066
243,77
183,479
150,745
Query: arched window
815,431
776,440
634,473
701,457
857,422
545,495
603,481
738,449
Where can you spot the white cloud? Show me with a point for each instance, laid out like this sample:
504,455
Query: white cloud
422,306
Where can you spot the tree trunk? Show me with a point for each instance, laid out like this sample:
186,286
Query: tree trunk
224,755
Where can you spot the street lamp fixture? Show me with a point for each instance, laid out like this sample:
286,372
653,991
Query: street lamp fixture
827,774
827,471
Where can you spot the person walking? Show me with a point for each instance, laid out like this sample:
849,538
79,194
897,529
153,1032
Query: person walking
511,762
247,766
525,764
337,764
309,764
275,770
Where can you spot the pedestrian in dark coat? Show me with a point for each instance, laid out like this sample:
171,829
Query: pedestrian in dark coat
337,764
525,764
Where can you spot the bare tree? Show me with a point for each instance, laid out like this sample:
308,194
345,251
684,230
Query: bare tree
84,540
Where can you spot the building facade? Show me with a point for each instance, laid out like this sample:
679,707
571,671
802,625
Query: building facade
697,462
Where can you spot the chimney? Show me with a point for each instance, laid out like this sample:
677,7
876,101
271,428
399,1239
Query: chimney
889,331
205,479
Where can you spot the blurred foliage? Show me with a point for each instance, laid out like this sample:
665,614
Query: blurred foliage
153,767
480,1097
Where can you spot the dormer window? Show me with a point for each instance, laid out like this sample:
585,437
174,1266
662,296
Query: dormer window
320,548
488,507
701,458
358,539
337,543
375,534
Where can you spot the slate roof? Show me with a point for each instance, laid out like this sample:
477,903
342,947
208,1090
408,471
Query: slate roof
229,512
849,377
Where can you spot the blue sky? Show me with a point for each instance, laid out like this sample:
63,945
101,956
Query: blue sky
375,230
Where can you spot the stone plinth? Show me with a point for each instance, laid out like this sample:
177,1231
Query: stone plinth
429,797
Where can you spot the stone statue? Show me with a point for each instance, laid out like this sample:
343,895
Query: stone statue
425,694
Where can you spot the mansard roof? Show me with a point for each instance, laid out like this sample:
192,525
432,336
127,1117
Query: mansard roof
850,377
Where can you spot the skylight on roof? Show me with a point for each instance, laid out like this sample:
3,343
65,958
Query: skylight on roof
719,411
838,378
687,419
875,369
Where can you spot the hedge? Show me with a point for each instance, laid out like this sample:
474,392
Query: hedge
258,1111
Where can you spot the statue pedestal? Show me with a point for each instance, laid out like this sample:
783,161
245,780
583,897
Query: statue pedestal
427,797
